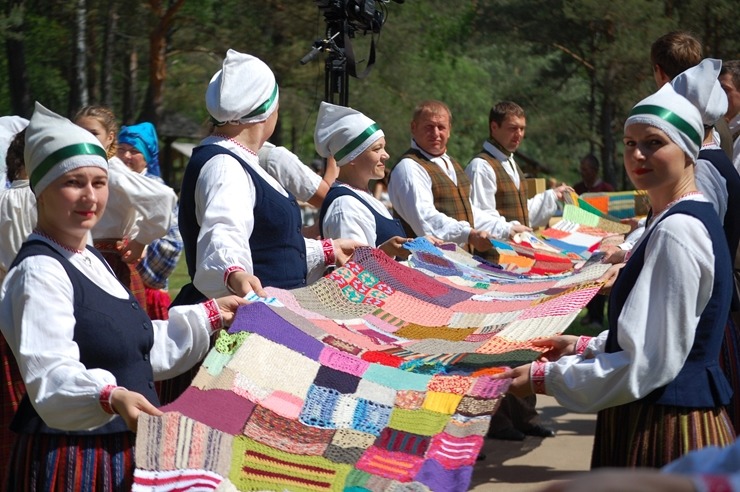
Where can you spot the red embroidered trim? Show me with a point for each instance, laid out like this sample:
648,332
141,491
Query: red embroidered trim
213,314
228,272
582,344
537,377
104,398
329,257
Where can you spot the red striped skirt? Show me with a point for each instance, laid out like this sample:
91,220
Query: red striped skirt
12,394
125,272
47,462
647,435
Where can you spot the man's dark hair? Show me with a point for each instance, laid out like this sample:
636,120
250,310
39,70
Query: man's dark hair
675,52
733,68
501,110
592,161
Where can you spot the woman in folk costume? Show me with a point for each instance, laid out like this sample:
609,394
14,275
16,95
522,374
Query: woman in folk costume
349,210
139,209
87,352
138,148
240,227
719,181
17,220
654,376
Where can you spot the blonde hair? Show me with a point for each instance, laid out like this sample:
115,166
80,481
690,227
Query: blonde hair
106,118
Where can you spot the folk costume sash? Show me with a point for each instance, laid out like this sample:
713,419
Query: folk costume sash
511,202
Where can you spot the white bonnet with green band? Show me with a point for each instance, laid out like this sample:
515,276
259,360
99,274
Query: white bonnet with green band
699,85
243,91
674,115
55,145
343,133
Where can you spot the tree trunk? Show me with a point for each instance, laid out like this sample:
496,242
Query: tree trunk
79,95
129,86
106,65
20,92
153,103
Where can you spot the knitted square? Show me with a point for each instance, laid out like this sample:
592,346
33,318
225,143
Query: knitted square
371,417
348,445
341,361
458,385
146,481
318,409
378,393
454,452
423,422
473,406
436,477
396,378
206,449
463,426
260,467
194,403
393,465
338,380
409,399
273,366
405,442
445,403
286,434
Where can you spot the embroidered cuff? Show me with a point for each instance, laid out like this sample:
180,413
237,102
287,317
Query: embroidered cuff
582,344
327,245
537,377
104,398
214,315
228,272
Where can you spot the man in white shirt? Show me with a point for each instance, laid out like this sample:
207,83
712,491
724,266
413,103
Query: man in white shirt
498,185
729,79
430,191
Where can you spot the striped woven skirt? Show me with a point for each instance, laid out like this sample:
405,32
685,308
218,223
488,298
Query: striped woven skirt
125,272
50,462
640,434
10,399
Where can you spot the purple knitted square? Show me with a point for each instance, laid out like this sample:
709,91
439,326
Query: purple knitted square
198,405
259,318
436,477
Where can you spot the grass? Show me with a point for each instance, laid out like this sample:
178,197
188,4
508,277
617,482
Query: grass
179,277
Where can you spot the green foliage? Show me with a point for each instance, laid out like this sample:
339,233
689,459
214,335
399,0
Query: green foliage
576,66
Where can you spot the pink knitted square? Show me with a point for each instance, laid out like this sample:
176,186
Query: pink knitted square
389,464
454,452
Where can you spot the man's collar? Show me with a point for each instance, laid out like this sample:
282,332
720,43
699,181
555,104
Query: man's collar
492,147
426,154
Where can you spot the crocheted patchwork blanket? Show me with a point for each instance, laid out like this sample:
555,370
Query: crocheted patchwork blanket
377,377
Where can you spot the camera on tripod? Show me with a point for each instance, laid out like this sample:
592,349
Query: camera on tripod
360,15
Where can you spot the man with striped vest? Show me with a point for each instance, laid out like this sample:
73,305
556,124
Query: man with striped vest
498,185
430,191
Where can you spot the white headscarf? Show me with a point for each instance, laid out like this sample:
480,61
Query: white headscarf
699,85
55,145
343,133
243,91
674,115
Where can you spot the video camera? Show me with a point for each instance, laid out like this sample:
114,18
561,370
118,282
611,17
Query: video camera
360,15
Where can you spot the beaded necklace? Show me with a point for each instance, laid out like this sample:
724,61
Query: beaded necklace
238,144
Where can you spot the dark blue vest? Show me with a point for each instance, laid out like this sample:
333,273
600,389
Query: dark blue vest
700,383
731,224
277,246
112,334
385,228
